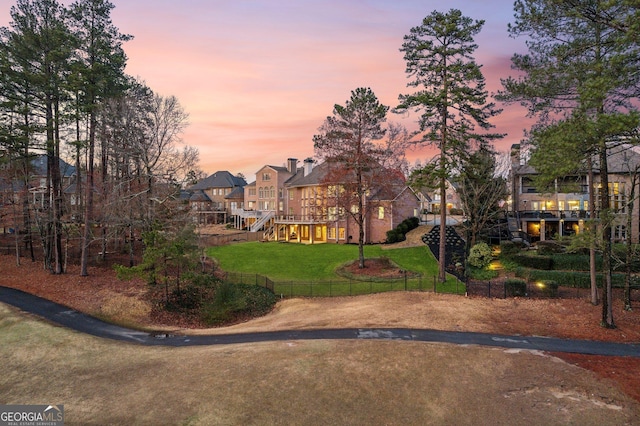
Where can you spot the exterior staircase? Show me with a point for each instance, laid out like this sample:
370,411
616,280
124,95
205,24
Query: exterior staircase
262,221
517,235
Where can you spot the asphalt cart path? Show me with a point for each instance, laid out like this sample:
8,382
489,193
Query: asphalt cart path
83,323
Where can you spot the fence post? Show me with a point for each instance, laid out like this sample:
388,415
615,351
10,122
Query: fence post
434,284
489,289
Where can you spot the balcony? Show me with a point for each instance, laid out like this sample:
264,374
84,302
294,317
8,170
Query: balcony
303,219
553,214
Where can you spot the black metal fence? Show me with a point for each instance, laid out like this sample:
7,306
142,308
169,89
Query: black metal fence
498,289
345,287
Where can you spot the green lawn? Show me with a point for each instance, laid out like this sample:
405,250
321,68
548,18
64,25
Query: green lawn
316,264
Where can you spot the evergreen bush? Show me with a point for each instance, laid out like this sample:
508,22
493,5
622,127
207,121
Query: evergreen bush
536,262
509,248
546,248
399,232
480,256
548,287
393,236
514,287
234,300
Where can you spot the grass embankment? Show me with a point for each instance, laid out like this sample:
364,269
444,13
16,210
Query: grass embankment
315,265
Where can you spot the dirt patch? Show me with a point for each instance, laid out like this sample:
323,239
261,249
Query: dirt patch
375,268
101,293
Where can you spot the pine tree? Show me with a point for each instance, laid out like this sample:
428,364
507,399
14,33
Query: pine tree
450,95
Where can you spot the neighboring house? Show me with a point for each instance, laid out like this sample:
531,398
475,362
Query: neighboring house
38,179
214,199
295,205
425,204
563,209
13,191
452,201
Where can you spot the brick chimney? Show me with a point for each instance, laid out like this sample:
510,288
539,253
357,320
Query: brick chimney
292,165
515,155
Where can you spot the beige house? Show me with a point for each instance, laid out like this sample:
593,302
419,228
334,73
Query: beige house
293,204
545,214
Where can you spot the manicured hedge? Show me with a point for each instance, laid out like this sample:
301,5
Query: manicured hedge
509,248
560,262
398,233
549,288
569,279
549,248
514,287
536,262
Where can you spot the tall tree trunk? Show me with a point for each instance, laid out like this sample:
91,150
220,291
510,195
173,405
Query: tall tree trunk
442,249
88,208
629,251
57,193
605,219
78,191
593,273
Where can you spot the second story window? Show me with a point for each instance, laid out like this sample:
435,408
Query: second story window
266,176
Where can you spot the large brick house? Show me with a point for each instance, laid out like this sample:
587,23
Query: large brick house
294,204
545,214
214,199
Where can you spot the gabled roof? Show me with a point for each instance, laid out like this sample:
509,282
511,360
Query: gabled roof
39,164
199,195
316,176
237,193
274,168
220,179
622,159
391,192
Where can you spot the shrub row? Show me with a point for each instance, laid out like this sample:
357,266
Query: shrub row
548,287
509,248
514,287
399,232
560,262
574,279
536,262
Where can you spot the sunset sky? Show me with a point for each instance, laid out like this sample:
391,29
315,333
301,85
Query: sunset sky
258,78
